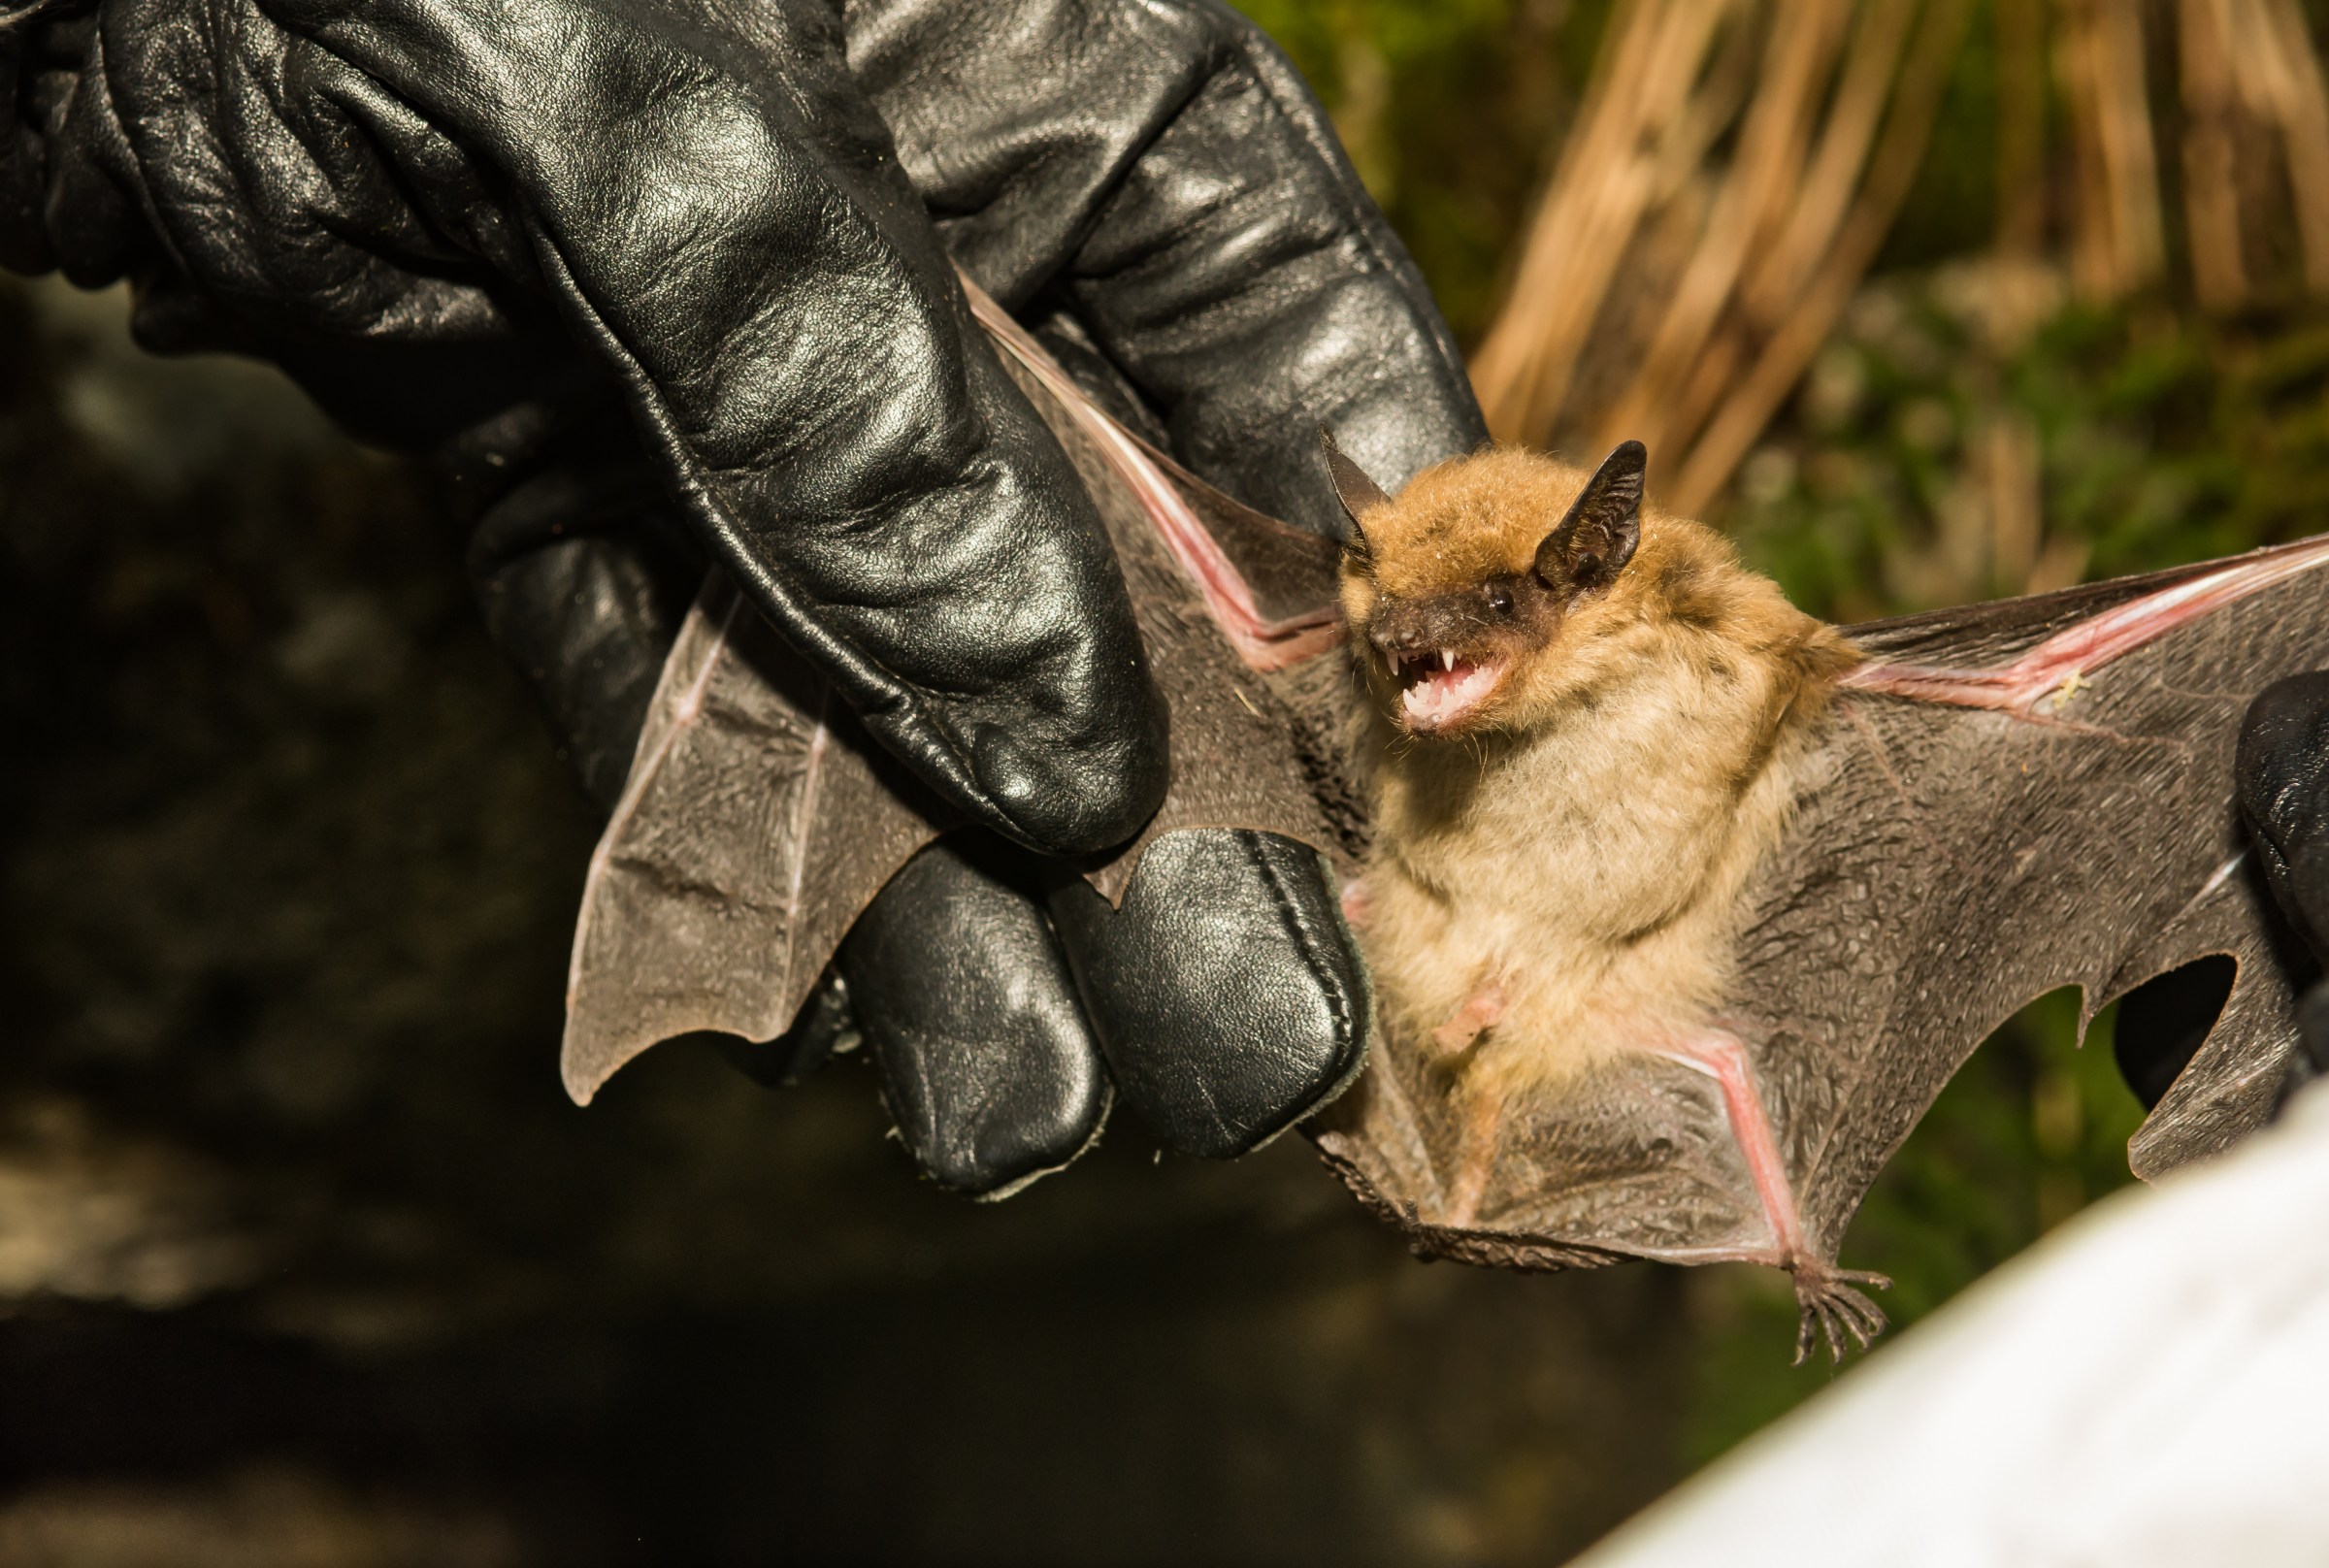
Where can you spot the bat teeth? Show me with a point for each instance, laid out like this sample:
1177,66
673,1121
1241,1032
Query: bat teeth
1447,659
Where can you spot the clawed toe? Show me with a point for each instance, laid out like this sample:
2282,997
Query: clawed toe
1830,1308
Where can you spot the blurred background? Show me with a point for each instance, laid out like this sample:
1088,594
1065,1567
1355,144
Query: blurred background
305,1259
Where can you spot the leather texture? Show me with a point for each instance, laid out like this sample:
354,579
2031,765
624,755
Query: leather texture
1214,1048
433,205
583,574
990,1069
669,282
2283,773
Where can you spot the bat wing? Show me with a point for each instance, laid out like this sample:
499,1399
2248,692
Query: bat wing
759,819
2018,797
1957,862
2007,798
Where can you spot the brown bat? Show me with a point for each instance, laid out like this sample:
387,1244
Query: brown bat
1683,906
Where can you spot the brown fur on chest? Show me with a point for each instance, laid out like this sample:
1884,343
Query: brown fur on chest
1577,845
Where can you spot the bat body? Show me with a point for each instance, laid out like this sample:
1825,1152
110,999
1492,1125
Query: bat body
1684,906
1991,803
1587,729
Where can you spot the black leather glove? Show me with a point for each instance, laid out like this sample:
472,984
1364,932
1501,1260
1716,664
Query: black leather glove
2284,773
2281,780
663,281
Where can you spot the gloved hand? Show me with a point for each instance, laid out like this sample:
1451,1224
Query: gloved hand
662,282
2284,773
2281,779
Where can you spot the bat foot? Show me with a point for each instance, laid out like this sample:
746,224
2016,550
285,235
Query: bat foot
1830,1306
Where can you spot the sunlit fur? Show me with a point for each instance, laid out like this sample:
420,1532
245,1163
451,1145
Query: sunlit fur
1582,847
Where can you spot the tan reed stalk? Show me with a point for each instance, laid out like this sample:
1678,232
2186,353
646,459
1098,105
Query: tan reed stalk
2010,474
2220,272
1605,180
1776,274
1776,279
1751,206
2292,66
2128,152
2021,206
2092,259
1546,312
2120,246
1900,148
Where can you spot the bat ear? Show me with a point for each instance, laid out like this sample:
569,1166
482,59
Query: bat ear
1597,538
1358,493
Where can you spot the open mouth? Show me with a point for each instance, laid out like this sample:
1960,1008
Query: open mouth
1441,689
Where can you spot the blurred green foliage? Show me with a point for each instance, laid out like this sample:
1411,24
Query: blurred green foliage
1450,110
2135,436
2161,438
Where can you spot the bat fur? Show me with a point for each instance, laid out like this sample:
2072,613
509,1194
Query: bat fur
1587,730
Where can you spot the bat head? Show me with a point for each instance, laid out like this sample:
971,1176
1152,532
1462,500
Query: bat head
1462,593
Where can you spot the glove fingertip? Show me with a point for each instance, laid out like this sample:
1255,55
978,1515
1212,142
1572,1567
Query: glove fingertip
1076,800
1226,993
2282,779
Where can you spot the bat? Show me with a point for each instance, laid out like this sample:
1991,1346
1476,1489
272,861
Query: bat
1684,905
1925,824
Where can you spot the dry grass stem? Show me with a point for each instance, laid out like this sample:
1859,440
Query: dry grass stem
1862,90
1777,274
2289,59
2121,244
1783,359
2010,474
1693,283
1739,163
1762,177
1600,192
2212,216
2021,183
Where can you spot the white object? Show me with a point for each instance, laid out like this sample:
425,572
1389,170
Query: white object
2149,1388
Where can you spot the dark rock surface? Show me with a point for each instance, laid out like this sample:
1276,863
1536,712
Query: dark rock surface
306,1260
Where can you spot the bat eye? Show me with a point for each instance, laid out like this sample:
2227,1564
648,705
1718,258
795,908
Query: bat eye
1499,598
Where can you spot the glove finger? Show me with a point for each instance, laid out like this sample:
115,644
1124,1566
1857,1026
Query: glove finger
1226,993
2310,1060
1243,279
2279,770
825,1028
584,594
963,993
2282,770
723,222
1164,170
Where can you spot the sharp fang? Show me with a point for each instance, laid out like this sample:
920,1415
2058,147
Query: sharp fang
1447,659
